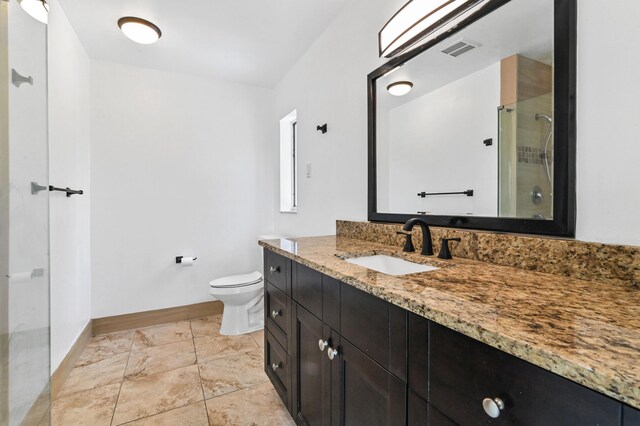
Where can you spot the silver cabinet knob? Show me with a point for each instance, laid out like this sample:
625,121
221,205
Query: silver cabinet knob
322,344
275,313
273,269
275,366
493,407
331,353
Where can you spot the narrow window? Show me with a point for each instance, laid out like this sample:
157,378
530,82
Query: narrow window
294,163
288,163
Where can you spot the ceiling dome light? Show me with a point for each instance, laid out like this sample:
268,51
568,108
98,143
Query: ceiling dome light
37,9
420,21
139,30
400,88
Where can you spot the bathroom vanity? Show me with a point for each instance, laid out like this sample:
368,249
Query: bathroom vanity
468,343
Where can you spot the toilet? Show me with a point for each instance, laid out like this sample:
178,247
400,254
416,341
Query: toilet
242,296
243,299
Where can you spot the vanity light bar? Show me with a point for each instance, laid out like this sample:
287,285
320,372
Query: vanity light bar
420,21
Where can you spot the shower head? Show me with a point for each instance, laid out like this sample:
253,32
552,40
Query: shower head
544,117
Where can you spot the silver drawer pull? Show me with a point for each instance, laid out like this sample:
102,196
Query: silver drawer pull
493,407
275,314
322,344
275,366
274,269
331,353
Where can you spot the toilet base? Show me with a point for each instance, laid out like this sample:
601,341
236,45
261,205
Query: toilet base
243,319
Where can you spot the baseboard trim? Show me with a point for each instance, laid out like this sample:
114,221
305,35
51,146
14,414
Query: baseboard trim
155,317
64,369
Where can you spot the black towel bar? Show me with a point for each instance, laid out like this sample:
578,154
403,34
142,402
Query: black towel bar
69,191
468,193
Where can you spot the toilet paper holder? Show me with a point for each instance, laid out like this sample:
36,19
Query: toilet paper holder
179,259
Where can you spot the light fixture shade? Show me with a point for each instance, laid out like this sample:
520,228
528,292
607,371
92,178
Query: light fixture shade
37,9
419,21
139,30
400,88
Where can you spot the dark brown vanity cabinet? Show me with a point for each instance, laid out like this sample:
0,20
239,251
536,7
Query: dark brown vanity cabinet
469,381
347,351
339,356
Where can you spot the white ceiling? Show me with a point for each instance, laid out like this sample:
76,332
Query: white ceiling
524,27
248,41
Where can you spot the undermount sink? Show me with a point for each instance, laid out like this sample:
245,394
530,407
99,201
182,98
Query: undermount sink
390,265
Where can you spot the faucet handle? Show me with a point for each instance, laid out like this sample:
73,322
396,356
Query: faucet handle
445,252
408,244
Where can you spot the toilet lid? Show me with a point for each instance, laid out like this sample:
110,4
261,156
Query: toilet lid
237,280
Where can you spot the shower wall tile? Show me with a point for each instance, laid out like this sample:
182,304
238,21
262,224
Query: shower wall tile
610,263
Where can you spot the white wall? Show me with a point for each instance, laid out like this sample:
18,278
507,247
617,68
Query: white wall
178,168
608,125
69,166
424,139
328,85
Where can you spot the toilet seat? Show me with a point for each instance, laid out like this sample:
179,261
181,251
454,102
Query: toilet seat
237,281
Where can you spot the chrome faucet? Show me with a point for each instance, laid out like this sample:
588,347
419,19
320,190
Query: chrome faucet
427,246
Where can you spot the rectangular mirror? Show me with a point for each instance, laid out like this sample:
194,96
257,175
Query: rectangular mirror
476,129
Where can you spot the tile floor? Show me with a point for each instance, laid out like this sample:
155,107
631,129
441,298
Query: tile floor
182,373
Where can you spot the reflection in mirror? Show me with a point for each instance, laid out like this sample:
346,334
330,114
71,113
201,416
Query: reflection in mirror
471,130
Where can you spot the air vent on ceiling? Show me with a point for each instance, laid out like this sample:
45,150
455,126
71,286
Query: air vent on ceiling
459,47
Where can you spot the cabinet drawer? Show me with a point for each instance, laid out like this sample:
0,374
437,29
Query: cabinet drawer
463,372
376,327
277,367
277,271
278,312
630,416
308,288
418,371
331,302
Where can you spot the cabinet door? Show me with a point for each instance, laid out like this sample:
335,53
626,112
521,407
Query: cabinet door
311,376
367,394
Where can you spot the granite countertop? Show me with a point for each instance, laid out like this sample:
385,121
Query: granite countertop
585,331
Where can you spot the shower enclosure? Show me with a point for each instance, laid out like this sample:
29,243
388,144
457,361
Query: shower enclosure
525,162
24,220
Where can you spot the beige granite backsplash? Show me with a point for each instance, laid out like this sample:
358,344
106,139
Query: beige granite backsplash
588,261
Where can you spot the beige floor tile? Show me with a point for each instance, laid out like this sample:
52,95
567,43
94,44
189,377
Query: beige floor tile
208,348
259,405
232,373
207,326
161,334
191,415
258,336
157,393
105,346
92,407
156,359
101,373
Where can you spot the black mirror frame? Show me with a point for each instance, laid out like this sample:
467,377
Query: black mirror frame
564,183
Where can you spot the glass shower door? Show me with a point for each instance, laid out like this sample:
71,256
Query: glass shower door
24,220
